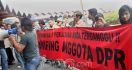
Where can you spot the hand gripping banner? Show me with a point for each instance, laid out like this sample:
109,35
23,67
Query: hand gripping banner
108,48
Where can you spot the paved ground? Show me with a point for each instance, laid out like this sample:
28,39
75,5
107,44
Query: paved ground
46,67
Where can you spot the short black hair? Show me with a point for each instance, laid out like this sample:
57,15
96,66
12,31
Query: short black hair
27,24
93,11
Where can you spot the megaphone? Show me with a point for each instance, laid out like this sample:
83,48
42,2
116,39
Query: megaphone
5,33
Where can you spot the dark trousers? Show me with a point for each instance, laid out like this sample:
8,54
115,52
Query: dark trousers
10,56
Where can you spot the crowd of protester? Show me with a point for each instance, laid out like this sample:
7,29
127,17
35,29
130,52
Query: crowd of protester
24,43
91,19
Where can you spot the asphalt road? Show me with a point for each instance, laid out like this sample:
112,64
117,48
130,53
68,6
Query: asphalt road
45,67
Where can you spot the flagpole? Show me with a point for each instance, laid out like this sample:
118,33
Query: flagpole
81,2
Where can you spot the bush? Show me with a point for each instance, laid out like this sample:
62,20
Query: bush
111,17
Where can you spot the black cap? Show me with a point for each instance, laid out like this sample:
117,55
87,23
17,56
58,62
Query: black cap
92,11
98,15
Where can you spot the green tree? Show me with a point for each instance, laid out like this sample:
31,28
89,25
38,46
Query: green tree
111,17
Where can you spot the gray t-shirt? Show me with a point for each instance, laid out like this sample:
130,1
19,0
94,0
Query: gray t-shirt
31,49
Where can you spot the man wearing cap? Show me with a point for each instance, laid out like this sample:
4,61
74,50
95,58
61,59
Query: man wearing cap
59,23
78,19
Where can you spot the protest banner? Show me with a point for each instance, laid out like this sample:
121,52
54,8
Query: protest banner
107,48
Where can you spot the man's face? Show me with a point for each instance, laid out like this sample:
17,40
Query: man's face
65,18
51,23
59,23
22,29
33,23
90,16
126,16
9,26
18,24
76,18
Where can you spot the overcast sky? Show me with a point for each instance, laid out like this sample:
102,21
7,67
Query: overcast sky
43,6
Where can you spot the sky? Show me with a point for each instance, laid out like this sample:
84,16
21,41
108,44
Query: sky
44,6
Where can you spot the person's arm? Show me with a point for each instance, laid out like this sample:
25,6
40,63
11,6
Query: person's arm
19,47
103,20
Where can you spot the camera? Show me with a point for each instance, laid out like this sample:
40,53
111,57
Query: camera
97,17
